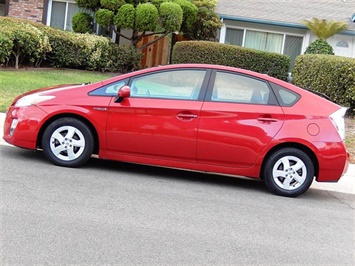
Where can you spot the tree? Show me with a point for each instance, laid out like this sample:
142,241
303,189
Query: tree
207,23
143,17
323,28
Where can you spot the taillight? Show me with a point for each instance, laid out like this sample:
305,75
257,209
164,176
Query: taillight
339,122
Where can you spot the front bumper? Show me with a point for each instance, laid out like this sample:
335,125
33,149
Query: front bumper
22,125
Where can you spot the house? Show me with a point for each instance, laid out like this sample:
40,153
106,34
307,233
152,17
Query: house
276,26
270,25
55,13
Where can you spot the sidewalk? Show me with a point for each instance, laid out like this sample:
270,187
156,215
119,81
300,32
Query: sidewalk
345,185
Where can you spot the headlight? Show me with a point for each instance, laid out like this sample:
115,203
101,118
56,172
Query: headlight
32,99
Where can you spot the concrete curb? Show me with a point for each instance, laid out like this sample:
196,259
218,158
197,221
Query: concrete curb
345,185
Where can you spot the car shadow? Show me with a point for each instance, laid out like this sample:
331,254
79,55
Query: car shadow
165,174
160,173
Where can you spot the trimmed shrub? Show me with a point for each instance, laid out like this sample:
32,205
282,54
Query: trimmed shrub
125,17
331,75
206,52
112,4
28,43
88,4
5,47
147,16
63,48
319,47
170,15
104,17
83,23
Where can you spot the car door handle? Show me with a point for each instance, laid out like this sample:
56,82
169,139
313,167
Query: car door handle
263,119
186,116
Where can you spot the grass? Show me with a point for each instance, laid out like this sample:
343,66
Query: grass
16,82
350,137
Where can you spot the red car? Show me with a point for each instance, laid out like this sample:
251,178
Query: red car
198,117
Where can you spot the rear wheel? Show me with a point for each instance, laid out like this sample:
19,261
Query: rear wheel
288,172
68,142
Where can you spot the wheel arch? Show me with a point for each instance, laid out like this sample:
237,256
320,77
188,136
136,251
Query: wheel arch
69,115
295,145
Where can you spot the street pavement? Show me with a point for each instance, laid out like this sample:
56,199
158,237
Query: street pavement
345,185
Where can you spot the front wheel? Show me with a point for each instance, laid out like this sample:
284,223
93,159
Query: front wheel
68,142
288,172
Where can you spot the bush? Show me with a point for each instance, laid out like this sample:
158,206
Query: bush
83,23
168,11
63,48
319,47
147,16
273,64
104,17
331,75
26,41
5,47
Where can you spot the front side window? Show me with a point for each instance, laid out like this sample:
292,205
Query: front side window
61,14
229,87
109,89
176,84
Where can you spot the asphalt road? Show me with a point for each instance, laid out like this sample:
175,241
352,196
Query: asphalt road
115,213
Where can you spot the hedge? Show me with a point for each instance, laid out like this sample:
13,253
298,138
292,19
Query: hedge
273,64
328,74
54,47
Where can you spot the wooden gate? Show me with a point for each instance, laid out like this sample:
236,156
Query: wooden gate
155,54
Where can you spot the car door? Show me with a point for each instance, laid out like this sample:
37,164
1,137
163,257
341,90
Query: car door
239,117
160,118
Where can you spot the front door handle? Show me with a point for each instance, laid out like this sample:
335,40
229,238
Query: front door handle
186,116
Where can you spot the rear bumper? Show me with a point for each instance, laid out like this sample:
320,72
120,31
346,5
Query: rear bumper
333,167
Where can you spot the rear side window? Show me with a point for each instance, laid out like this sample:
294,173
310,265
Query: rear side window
236,88
284,96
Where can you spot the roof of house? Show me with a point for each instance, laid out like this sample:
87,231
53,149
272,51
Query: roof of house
287,12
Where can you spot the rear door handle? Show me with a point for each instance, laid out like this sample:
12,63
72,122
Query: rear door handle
264,119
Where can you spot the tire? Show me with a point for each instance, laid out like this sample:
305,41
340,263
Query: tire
288,172
68,142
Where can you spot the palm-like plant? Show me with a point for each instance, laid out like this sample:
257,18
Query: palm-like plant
323,28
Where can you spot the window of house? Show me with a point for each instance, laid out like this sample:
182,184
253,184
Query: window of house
266,41
61,14
2,7
234,36
293,47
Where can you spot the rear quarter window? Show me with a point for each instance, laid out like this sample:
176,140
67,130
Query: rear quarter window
285,96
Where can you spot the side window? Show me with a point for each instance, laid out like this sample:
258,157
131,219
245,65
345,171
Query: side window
285,96
182,84
230,87
109,89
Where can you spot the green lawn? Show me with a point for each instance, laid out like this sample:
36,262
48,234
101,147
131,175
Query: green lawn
15,82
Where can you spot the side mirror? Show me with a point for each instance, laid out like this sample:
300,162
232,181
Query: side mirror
123,92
